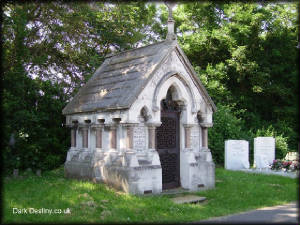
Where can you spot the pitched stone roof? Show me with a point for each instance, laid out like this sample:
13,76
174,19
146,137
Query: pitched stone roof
120,79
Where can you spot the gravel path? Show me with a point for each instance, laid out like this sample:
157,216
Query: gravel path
287,214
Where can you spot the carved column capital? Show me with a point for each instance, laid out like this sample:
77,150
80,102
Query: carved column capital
111,126
83,126
97,126
206,125
129,124
153,125
182,106
188,125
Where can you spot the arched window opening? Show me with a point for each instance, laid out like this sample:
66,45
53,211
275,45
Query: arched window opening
200,117
144,114
168,103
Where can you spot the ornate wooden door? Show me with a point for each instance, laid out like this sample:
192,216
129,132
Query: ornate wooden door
167,141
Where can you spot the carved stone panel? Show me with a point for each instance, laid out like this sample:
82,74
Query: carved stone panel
139,138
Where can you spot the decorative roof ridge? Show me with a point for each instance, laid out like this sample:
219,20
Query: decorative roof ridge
197,79
129,50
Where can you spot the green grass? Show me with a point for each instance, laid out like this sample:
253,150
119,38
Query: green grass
235,192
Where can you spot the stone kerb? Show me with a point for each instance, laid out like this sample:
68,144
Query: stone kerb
264,151
236,154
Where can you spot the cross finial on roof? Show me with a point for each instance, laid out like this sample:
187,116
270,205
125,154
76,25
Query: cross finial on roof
170,6
171,35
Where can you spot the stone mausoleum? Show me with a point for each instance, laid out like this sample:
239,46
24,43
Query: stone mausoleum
140,123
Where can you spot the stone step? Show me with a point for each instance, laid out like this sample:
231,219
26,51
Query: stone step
188,199
175,191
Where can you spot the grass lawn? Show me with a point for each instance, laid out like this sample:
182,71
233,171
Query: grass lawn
89,202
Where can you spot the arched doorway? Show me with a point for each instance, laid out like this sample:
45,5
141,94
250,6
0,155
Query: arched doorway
168,141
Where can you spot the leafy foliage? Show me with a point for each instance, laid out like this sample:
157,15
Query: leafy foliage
50,50
226,126
246,54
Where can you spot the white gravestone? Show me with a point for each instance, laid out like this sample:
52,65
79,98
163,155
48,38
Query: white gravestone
264,151
236,154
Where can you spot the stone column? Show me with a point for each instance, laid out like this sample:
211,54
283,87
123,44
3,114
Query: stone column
129,137
151,134
73,134
204,137
98,136
204,132
187,135
73,137
151,137
85,140
113,137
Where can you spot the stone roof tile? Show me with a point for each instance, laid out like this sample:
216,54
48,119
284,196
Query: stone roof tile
118,79
121,77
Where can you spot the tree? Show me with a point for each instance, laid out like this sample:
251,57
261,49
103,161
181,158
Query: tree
246,55
50,50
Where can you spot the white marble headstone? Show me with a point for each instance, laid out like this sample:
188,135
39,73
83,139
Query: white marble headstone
236,154
264,151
